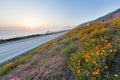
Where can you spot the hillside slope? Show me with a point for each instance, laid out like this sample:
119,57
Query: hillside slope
104,18
110,16
84,53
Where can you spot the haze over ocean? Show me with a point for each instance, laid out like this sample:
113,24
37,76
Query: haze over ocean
6,34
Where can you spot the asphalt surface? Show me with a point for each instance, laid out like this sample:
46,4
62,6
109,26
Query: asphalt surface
12,49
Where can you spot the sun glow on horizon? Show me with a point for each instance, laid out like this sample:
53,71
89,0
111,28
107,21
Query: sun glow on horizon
32,24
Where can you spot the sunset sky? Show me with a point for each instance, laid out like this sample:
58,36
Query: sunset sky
33,14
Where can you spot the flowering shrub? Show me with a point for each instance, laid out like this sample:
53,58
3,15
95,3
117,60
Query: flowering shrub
95,58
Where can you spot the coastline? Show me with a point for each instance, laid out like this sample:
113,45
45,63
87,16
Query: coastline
29,36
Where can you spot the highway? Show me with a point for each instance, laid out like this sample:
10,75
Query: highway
12,49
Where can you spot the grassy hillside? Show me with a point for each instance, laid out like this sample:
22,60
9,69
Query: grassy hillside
84,53
98,55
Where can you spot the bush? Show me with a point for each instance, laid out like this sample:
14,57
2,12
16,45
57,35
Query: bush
68,50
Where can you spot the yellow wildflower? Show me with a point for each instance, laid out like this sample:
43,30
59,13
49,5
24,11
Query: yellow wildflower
116,75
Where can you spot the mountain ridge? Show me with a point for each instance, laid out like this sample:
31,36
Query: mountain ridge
103,18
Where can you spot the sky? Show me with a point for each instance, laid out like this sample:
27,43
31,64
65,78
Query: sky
42,14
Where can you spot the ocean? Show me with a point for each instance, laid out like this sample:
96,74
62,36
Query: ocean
6,34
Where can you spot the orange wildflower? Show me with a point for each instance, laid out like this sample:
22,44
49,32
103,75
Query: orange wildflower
111,51
109,45
106,67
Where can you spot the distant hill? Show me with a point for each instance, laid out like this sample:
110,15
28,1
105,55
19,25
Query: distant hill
105,18
109,16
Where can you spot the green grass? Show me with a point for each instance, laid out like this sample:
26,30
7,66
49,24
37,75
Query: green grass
69,49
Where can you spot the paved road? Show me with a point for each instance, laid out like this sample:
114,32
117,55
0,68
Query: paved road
15,48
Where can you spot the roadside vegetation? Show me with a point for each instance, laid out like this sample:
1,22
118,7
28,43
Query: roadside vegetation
6,68
84,53
98,55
